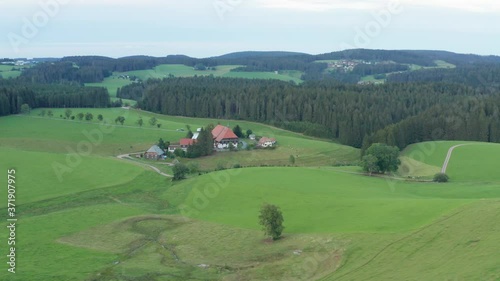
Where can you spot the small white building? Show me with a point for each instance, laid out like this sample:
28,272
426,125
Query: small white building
267,142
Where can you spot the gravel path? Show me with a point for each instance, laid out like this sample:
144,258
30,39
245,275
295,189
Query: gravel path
127,157
448,157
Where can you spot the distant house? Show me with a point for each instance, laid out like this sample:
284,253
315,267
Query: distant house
195,136
173,147
154,152
252,136
224,137
267,142
185,143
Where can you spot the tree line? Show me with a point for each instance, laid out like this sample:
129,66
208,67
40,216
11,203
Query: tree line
475,118
13,95
343,112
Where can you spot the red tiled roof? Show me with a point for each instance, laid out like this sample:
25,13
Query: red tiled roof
221,133
186,142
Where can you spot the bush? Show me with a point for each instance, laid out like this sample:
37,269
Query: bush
441,177
220,166
180,171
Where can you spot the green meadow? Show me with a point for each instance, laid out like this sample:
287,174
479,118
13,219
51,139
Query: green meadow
6,71
114,82
472,162
109,219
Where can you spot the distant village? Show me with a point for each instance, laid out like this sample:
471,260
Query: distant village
347,65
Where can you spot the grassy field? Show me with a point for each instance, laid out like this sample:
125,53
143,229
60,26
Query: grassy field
110,219
56,134
439,64
6,71
114,82
360,204
474,161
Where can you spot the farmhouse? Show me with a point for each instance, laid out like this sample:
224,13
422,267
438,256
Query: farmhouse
224,137
154,152
267,142
183,144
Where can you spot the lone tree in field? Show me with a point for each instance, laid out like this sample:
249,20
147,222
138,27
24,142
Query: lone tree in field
441,177
291,159
152,121
89,116
100,117
140,122
120,119
370,164
271,220
80,116
180,171
381,158
67,113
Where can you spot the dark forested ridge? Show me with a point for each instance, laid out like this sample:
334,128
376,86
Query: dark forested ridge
474,75
89,69
347,113
13,94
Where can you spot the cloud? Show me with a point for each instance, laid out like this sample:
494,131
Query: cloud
317,5
477,6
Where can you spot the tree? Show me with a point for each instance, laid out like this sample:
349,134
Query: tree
25,109
179,152
161,144
120,119
67,113
249,132
158,125
100,117
194,167
140,122
369,164
387,158
441,177
271,220
80,116
152,121
89,116
237,131
291,159
189,134
42,113
50,113
180,170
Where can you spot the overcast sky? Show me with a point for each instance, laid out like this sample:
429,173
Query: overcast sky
202,28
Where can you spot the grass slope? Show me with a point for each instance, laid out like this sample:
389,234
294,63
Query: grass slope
474,161
50,175
319,201
460,246
113,82
57,134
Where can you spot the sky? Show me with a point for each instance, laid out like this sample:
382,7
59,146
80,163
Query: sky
204,28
